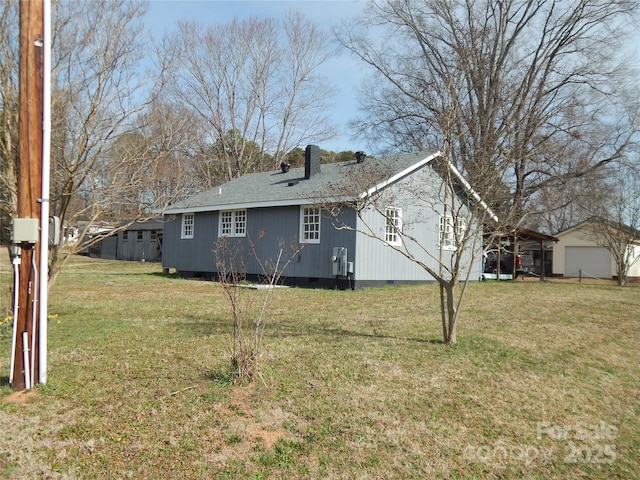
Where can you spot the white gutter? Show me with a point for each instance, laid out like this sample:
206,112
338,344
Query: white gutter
44,207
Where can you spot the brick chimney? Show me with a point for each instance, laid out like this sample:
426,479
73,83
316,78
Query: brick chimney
311,161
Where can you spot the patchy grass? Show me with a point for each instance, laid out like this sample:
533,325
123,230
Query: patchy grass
542,384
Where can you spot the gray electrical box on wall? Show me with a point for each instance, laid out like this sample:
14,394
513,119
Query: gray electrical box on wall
25,230
54,231
339,261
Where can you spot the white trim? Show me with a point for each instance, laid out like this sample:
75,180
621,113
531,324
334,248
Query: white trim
397,233
302,224
242,206
447,238
398,176
475,195
234,223
183,224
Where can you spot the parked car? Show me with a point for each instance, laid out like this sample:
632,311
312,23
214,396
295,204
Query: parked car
524,266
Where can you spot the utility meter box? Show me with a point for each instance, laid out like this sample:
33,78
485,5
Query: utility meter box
54,231
339,261
25,230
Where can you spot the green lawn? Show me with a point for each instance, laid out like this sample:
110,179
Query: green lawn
543,383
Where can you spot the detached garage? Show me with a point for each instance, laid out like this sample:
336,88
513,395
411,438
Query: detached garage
577,254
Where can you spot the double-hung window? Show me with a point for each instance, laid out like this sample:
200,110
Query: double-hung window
393,226
187,225
447,234
310,224
233,223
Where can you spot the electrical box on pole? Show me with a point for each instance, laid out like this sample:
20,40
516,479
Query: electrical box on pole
25,230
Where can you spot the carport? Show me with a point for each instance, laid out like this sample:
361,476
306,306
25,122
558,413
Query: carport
524,239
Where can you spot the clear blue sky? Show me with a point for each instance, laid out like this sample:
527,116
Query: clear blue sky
343,71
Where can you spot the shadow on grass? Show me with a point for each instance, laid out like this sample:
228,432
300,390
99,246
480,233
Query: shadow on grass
173,276
336,332
221,326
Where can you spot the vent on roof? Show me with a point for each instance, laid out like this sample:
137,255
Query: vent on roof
360,156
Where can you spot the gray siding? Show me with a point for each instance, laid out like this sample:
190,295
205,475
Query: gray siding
268,230
190,254
147,248
418,197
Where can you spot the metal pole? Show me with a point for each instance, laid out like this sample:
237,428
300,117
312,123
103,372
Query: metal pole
44,205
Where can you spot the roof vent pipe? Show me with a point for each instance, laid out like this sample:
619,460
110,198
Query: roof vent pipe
311,161
360,156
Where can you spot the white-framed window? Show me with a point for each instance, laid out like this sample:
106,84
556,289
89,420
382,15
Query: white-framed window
310,225
187,225
446,232
393,226
233,223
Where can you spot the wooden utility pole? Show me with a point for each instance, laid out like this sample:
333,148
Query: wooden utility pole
29,189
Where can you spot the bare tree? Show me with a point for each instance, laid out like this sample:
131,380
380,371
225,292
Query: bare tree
170,134
401,215
615,219
254,86
528,87
249,313
97,93
8,111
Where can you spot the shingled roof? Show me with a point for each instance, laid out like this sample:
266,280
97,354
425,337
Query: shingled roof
279,188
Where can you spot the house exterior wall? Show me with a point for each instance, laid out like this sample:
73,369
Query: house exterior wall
377,262
634,271
193,254
268,230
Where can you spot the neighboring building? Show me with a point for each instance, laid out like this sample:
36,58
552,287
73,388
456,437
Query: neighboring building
260,212
140,241
578,254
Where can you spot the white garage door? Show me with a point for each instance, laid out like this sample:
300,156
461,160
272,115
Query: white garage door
593,261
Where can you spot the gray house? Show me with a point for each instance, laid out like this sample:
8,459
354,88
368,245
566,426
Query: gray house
313,218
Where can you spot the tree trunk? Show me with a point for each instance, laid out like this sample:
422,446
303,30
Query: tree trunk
443,316
452,313
622,274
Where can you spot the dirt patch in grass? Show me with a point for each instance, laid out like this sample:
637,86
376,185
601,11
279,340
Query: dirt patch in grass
19,397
